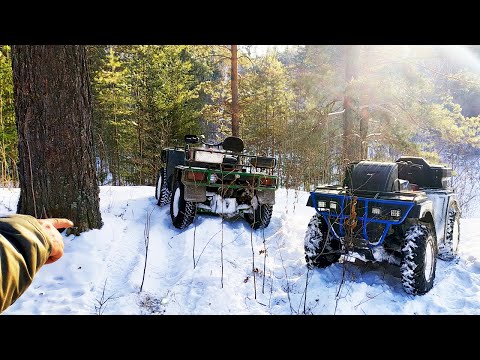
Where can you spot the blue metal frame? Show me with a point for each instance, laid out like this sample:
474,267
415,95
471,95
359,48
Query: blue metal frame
341,217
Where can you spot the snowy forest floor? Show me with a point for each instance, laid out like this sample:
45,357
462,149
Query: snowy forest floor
207,267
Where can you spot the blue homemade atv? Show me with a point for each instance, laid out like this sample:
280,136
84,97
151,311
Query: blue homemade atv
401,212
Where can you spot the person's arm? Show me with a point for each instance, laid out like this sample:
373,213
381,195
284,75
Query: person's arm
26,244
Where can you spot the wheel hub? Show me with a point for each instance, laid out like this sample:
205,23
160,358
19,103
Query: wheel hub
455,236
176,199
429,259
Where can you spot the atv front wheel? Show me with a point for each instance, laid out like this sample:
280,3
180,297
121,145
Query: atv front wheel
419,259
321,250
182,212
162,192
261,216
448,250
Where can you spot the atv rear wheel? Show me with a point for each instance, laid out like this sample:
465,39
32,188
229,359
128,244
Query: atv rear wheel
162,192
261,216
419,259
448,250
321,250
182,212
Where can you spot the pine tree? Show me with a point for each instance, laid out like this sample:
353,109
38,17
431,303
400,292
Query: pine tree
55,145
8,131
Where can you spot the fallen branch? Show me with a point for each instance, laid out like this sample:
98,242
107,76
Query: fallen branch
369,298
253,264
146,237
102,303
264,261
208,242
194,237
288,284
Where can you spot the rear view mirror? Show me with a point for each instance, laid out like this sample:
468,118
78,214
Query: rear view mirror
191,139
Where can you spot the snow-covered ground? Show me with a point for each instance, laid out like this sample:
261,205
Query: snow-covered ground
208,267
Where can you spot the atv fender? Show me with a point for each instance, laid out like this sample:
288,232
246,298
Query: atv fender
421,210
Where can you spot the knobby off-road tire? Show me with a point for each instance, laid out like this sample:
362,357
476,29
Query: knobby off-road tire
162,192
320,250
261,216
419,259
182,212
448,250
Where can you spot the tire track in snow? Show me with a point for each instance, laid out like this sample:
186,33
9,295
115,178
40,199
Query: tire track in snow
167,259
125,253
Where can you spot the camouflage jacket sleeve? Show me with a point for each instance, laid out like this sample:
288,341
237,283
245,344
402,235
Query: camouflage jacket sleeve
24,248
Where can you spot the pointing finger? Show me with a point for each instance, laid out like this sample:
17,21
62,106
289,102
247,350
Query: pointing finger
60,223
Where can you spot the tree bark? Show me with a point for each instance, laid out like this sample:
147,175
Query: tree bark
364,122
367,58
53,111
351,151
234,84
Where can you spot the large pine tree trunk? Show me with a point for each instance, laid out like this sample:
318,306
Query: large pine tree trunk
351,144
364,122
55,141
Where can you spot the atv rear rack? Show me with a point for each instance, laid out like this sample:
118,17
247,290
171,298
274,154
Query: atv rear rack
231,179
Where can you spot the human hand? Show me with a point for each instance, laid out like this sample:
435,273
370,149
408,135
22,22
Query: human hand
50,227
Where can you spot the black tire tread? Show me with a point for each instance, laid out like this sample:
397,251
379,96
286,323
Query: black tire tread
413,260
261,216
320,251
186,209
165,193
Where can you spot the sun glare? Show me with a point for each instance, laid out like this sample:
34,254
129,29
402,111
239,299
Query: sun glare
461,55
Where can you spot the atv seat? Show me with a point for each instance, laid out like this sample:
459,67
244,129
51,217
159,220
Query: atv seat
230,162
263,162
233,144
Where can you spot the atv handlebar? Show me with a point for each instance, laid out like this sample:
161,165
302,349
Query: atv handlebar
194,139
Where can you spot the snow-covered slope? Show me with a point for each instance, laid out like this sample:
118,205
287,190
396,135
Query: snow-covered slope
208,267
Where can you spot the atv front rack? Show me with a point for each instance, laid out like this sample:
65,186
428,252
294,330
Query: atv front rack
361,217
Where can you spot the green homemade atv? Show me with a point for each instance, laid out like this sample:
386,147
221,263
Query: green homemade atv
216,178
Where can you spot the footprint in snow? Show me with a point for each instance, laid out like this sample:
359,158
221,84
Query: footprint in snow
78,293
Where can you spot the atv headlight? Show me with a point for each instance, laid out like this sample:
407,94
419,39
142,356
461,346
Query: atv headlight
376,211
322,204
208,157
395,213
333,205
